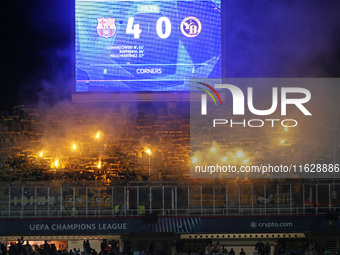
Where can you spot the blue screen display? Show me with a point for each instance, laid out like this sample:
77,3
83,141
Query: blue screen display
146,45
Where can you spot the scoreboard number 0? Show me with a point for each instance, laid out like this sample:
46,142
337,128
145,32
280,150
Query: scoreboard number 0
136,31
159,27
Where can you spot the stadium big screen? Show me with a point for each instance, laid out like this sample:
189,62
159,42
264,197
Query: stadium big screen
146,45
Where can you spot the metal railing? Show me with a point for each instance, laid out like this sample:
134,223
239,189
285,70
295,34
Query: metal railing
20,214
65,201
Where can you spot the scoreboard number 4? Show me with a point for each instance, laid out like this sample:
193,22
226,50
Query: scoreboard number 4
133,29
136,31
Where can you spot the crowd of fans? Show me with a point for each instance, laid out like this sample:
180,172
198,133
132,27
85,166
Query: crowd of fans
22,247
265,248
32,140
121,149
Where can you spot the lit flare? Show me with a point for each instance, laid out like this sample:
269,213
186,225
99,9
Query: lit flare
56,163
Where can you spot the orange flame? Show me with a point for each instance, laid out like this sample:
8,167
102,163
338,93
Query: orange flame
98,135
56,163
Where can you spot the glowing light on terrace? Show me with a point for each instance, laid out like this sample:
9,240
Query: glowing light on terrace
246,161
99,164
194,160
74,146
286,129
239,154
41,154
283,141
213,149
148,151
224,159
98,135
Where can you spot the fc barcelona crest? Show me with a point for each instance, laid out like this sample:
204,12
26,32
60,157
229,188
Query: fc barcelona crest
106,27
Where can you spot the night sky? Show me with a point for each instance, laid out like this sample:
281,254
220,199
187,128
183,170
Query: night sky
264,38
37,43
